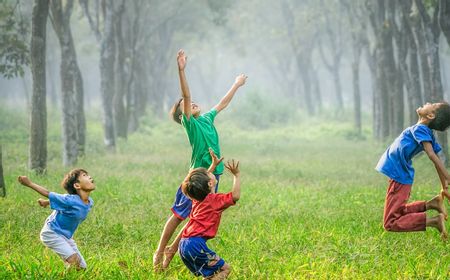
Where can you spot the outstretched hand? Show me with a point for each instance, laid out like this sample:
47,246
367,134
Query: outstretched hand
214,159
181,60
240,80
24,180
233,167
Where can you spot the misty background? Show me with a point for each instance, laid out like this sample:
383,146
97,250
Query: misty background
369,63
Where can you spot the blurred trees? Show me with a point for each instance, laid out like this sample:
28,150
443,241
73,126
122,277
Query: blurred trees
337,58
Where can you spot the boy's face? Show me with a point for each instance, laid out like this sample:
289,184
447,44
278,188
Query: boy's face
212,182
85,182
428,110
195,109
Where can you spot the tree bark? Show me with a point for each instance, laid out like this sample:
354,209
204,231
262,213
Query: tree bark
38,126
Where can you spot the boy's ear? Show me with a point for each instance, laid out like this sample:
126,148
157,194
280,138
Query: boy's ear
77,186
431,116
180,116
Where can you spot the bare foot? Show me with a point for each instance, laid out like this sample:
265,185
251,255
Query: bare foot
437,203
169,253
441,227
157,261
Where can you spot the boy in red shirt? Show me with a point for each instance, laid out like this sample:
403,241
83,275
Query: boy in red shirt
204,220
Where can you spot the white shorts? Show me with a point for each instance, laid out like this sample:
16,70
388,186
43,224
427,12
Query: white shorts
62,246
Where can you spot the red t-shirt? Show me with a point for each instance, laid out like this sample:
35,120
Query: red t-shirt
205,215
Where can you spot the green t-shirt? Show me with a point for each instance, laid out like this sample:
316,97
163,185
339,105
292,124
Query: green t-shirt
203,135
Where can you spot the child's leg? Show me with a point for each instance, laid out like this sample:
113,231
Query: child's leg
82,262
171,250
398,216
61,246
169,228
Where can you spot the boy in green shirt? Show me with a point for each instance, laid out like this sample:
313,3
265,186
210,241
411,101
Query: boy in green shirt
204,140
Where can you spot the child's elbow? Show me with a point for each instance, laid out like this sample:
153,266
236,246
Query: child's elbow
236,197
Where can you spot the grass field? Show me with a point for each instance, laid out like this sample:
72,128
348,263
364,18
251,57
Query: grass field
311,205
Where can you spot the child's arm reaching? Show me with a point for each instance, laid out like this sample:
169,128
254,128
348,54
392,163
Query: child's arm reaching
440,168
27,182
233,167
185,93
240,81
215,161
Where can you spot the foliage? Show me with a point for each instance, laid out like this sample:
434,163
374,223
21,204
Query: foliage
13,46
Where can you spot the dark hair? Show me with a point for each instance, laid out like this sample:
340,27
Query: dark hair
176,112
70,179
442,117
196,185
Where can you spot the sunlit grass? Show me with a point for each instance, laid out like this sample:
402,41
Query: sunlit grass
311,206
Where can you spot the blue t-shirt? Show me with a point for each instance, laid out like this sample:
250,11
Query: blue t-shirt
69,212
396,162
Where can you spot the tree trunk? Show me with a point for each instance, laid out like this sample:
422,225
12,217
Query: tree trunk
73,119
2,180
107,52
38,126
120,115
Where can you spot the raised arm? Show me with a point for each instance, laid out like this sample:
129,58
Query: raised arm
185,93
240,81
214,161
439,165
233,167
27,182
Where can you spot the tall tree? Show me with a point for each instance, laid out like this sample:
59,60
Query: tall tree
107,57
410,70
73,119
38,126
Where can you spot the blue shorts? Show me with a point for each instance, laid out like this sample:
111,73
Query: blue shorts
182,205
198,257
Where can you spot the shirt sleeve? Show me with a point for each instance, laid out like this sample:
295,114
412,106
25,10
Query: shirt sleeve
211,115
223,200
424,134
58,201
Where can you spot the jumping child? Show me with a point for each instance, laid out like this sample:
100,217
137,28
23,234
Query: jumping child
69,211
396,163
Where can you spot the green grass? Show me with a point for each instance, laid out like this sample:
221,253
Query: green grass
311,205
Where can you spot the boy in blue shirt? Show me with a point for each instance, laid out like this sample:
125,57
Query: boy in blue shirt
69,211
396,163
203,139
